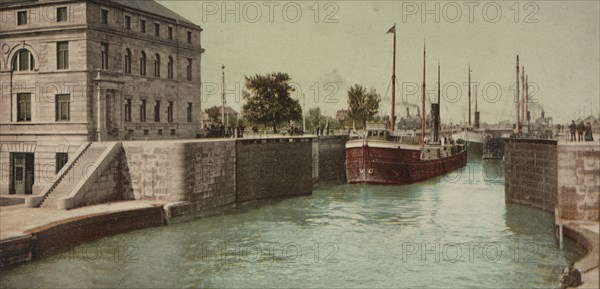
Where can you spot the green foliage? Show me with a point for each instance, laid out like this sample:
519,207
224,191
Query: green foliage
214,113
363,106
314,119
268,100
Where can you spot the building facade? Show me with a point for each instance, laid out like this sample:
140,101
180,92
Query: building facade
73,72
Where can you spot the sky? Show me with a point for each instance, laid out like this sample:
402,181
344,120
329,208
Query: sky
328,46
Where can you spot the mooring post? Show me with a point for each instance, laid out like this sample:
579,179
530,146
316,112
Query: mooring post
558,225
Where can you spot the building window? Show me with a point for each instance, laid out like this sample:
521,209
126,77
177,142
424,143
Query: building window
189,112
156,65
23,61
159,132
189,36
143,63
146,131
189,69
62,55
23,106
173,132
104,16
128,110
128,22
104,55
63,107
61,14
143,111
61,161
127,61
22,18
171,33
170,112
157,111
156,29
170,68
142,25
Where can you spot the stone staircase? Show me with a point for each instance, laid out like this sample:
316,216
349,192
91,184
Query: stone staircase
82,168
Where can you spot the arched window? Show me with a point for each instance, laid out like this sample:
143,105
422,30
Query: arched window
156,65
23,61
127,61
143,63
170,68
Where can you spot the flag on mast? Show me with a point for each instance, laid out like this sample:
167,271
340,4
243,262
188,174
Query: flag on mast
393,29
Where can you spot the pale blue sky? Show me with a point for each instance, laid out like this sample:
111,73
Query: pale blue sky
560,52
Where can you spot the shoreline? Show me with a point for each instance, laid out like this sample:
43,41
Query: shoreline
57,231
588,265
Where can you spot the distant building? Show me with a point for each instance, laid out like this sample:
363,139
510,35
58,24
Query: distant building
230,112
80,71
342,115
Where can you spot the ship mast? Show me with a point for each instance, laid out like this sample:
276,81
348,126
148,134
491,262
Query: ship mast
392,117
423,105
437,122
523,91
469,95
527,99
517,98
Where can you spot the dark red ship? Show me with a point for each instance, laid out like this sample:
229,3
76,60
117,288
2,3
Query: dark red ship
380,157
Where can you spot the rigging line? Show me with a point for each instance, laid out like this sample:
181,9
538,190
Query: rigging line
385,96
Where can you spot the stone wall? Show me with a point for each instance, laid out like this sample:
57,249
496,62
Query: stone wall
332,158
579,181
277,167
546,174
531,174
178,171
208,174
63,235
200,175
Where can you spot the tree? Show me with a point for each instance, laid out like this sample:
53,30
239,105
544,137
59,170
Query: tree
214,113
268,99
314,118
362,105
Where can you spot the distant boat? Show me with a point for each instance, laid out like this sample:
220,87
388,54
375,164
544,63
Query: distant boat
472,135
380,157
472,138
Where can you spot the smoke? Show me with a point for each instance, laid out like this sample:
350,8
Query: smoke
333,77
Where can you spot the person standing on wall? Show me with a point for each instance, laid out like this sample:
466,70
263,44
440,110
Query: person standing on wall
580,129
588,132
572,129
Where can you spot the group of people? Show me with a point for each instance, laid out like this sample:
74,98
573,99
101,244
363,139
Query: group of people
294,130
220,130
584,132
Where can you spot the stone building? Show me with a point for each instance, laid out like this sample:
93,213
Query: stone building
74,72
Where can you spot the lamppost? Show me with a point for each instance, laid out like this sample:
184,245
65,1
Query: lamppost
223,101
303,113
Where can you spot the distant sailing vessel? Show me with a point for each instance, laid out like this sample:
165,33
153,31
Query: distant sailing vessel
380,157
473,136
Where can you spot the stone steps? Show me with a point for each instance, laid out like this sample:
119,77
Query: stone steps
81,169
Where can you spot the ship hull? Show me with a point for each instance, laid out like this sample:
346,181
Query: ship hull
395,165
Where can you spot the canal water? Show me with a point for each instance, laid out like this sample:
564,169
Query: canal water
452,232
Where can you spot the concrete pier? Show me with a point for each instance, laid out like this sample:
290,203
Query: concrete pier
562,177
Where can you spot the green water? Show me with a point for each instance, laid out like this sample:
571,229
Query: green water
452,232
